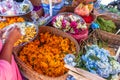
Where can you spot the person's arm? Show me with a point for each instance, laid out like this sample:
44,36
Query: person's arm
6,53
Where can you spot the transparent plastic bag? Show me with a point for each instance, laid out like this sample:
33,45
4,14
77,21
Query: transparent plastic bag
52,8
13,8
39,20
53,1
6,6
68,2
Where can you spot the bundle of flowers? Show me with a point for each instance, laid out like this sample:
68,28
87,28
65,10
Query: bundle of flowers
98,61
45,54
71,23
84,9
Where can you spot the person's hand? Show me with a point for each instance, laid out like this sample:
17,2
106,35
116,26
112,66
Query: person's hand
13,35
1,33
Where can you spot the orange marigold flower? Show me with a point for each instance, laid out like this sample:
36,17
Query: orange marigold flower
45,54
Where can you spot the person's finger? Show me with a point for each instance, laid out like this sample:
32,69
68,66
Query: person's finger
18,28
2,31
10,29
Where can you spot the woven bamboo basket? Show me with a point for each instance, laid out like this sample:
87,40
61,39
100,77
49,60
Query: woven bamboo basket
110,37
108,16
36,2
111,16
76,2
29,72
67,9
96,37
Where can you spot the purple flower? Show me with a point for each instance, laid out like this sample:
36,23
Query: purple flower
73,24
63,23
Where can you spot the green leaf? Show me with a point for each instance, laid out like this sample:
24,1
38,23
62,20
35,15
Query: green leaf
111,58
80,63
93,57
100,44
106,25
79,56
94,68
110,77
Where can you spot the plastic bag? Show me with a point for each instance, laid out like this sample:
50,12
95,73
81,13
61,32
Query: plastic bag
39,20
68,2
13,8
53,7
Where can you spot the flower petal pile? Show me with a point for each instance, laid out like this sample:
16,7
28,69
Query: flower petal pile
46,54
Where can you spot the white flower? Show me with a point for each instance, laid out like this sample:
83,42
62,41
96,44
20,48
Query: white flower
60,17
115,67
67,24
102,64
115,77
57,24
71,17
69,59
79,25
72,31
74,18
66,29
84,26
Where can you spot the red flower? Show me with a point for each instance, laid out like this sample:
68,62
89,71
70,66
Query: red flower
88,19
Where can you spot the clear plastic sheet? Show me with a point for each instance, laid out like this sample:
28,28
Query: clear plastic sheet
12,8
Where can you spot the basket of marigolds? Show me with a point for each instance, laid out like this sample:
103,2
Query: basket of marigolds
109,27
28,30
97,57
43,58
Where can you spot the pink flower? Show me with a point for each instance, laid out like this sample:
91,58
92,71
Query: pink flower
54,19
63,23
76,31
83,31
73,24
